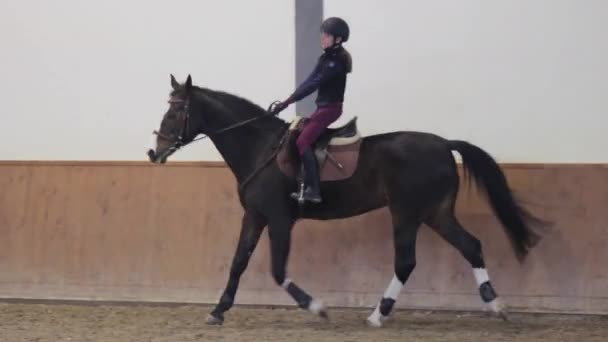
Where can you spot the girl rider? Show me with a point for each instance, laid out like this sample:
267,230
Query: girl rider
329,79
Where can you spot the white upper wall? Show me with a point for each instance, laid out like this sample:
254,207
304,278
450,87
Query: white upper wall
94,76
525,80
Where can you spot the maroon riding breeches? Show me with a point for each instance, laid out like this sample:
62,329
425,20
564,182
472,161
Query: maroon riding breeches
318,121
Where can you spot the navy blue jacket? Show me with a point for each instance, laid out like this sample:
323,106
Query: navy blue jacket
328,77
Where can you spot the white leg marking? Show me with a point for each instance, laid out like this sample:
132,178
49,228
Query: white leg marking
286,283
394,288
481,275
392,291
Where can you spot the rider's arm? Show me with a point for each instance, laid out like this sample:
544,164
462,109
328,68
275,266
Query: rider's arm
322,72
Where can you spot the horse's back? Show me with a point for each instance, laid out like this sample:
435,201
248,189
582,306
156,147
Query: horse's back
413,143
411,154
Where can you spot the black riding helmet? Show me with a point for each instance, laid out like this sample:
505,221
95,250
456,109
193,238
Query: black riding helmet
337,27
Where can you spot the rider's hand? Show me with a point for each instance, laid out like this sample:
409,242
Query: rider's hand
278,107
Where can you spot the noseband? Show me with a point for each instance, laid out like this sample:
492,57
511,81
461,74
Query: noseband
178,142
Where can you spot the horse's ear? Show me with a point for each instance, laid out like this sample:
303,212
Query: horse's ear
188,84
174,83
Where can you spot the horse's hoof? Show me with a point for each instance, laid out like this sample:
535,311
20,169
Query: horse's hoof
323,314
213,320
376,323
318,308
500,309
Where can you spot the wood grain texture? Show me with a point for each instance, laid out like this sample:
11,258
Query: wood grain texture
136,231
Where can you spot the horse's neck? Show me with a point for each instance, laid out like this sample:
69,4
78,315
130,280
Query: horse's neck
244,147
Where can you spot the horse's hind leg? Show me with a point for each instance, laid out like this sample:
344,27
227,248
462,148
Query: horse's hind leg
405,230
448,227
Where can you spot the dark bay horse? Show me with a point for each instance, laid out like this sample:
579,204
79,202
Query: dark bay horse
414,174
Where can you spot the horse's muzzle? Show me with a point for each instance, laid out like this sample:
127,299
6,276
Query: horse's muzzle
151,155
155,158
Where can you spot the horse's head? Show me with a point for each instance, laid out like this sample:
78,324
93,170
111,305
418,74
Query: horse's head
178,127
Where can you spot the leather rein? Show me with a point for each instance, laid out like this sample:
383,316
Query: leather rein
179,142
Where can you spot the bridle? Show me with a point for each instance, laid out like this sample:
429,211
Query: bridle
179,142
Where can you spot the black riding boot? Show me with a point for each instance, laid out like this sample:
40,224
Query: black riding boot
311,178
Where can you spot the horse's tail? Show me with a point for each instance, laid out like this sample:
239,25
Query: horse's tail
490,178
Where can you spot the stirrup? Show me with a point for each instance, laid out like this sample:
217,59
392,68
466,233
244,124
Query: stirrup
299,196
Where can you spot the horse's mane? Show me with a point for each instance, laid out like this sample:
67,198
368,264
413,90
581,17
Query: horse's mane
235,102
240,108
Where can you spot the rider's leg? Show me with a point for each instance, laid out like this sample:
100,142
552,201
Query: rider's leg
319,121
311,177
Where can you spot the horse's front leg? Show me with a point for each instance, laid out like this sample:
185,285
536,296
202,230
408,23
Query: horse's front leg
279,231
251,229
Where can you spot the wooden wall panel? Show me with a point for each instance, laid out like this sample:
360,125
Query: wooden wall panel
133,231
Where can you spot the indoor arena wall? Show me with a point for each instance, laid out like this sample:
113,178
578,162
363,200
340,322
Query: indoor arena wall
84,216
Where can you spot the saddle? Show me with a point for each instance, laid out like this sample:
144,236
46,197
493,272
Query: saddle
336,150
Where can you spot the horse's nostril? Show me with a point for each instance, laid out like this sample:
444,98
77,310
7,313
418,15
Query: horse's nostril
151,155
